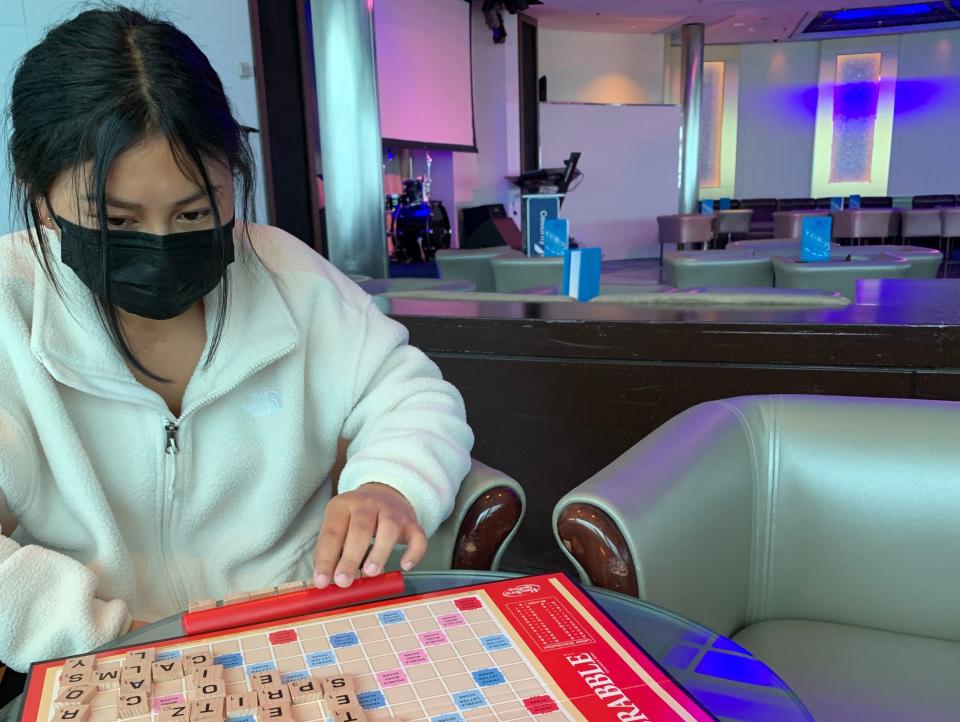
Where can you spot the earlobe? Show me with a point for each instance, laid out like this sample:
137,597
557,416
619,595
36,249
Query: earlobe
43,213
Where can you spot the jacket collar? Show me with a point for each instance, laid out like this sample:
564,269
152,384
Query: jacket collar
70,340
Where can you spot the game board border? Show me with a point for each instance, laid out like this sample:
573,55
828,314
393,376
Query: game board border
577,586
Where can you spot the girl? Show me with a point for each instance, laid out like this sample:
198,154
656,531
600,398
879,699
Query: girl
180,389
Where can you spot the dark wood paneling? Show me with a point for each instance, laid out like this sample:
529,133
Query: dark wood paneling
552,424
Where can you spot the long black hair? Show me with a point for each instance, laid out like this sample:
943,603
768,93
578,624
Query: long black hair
94,87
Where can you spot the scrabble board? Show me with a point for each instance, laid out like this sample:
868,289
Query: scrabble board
534,649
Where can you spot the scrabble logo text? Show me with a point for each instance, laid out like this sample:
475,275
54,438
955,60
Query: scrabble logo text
596,678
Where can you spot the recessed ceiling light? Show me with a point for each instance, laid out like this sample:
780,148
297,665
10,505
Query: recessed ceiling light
738,25
751,29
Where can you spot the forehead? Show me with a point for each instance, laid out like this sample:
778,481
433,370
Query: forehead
149,173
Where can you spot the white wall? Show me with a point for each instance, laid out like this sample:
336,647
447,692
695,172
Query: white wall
629,177
220,27
925,157
585,67
776,118
480,178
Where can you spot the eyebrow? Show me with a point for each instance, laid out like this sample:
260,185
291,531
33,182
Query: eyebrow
120,203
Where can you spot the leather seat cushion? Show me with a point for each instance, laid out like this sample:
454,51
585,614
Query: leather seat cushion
851,674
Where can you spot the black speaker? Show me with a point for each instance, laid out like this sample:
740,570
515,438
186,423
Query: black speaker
488,226
542,88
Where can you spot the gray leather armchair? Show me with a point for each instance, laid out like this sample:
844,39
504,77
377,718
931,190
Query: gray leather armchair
821,533
486,514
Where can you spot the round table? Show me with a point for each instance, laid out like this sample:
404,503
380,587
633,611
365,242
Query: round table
724,677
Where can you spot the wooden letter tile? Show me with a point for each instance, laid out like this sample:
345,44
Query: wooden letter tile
107,678
344,698
210,708
205,674
261,593
77,713
297,586
169,670
81,663
193,662
132,705
241,705
75,696
273,694
141,657
306,690
334,683
135,671
349,714
275,713
175,713
264,679
135,685
212,688
235,598
202,604
82,677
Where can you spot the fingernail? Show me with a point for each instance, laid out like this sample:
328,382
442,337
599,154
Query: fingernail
406,565
371,569
321,581
343,580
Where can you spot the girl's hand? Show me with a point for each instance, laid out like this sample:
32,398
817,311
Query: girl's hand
351,520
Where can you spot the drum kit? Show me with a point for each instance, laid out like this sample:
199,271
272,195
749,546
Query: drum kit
416,226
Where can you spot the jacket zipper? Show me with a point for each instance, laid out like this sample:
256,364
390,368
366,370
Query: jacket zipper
171,429
171,448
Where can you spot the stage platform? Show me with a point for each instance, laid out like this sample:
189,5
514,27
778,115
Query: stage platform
555,392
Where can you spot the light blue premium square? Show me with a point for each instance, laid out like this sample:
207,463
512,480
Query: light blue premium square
295,676
394,616
229,661
488,677
260,667
373,699
469,699
344,639
321,659
448,717
167,656
495,642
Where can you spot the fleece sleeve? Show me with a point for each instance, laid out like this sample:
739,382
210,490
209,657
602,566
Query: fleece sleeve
48,606
407,428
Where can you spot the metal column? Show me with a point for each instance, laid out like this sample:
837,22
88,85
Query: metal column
350,141
691,50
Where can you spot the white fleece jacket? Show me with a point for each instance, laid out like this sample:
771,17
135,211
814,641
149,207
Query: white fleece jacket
112,524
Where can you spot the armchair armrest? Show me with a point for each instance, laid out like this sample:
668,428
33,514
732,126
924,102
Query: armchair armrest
485,516
671,520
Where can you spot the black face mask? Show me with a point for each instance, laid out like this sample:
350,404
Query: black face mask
157,277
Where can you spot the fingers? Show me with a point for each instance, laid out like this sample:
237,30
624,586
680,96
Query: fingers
333,531
351,521
388,531
416,546
362,528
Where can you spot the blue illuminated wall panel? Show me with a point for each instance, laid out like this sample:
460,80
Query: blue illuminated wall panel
855,102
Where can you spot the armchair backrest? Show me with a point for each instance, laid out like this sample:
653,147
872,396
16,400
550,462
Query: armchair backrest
856,511
755,508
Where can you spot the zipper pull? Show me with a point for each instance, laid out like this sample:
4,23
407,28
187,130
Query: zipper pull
171,428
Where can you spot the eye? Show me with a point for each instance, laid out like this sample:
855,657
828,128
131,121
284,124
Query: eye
116,222
198,216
